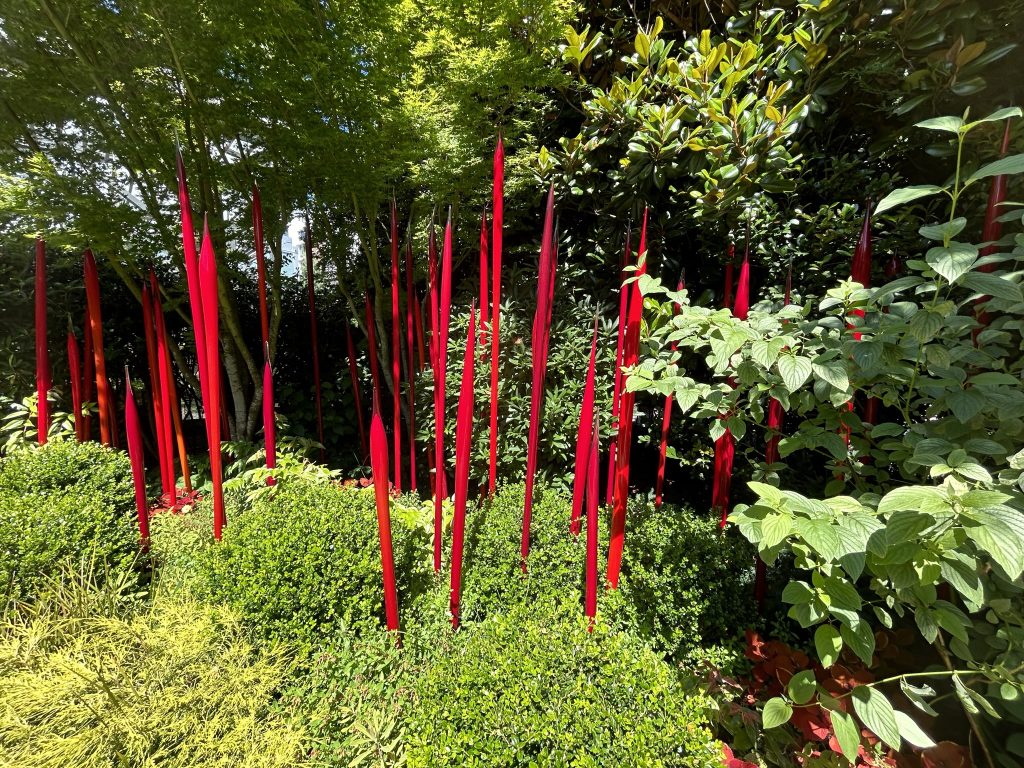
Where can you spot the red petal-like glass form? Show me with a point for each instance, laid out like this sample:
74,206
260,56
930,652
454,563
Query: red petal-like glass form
75,371
195,293
156,394
269,428
463,450
88,374
583,441
617,387
379,465
396,350
539,360
43,382
92,297
410,371
211,326
498,201
590,597
135,455
631,347
442,373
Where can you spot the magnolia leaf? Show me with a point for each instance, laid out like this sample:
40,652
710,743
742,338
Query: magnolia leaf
905,195
776,712
877,714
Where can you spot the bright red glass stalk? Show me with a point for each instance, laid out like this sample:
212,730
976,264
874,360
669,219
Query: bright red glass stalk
75,371
442,372
103,397
410,360
593,484
625,435
269,428
135,456
497,222
379,465
88,374
156,393
211,325
43,382
539,361
583,441
617,387
396,350
463,449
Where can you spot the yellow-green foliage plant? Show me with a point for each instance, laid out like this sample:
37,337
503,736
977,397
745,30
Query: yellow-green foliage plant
93,677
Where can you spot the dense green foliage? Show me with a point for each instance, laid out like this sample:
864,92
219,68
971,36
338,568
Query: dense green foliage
303,562
64,501
935,504
535,688
93,677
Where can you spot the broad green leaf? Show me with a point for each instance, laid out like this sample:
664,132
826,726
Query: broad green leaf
774,529
820,535
777,711
843,594
1001,542
828,643
905,195
794,371
921,498
947,123
953,261
962,575
802,686
877,714
769,493
847,734
916,694
797,593
910,731
860,639
992,285
945,231
834,372
998,116
1011,164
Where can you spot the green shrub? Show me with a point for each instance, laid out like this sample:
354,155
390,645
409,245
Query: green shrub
533,688
64,501
492,578
90,677
683,583
351,699
304,561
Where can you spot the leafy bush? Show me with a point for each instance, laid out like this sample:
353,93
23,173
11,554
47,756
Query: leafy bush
683,582
92,678
63,501
303,561
527,689
351,700
934,476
